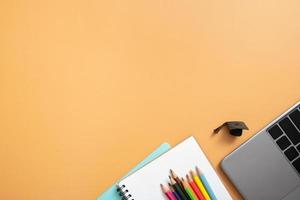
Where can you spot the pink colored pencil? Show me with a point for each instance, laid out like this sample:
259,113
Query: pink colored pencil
167,192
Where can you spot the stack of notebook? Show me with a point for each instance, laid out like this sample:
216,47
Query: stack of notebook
149,180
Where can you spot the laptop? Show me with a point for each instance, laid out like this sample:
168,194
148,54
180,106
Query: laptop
267,166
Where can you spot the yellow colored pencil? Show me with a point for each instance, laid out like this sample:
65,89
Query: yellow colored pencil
200,185
206,184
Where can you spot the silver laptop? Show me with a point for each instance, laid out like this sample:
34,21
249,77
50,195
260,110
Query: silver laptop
267,166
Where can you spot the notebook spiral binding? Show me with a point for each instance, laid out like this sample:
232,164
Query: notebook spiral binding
124,193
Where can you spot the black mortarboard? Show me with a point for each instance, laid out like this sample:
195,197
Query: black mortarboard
235,127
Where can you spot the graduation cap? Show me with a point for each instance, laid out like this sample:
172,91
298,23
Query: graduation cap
235,127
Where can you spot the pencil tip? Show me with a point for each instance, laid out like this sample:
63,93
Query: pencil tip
173,174
192,173
172,181
163,187
198,170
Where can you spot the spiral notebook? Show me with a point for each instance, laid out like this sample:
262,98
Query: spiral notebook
112,194
144,184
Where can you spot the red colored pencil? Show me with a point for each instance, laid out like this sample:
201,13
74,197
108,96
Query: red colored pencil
195,188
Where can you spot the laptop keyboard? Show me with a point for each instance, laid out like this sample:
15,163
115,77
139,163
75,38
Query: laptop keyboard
286,134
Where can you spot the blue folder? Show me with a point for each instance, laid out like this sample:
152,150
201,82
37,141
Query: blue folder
112,194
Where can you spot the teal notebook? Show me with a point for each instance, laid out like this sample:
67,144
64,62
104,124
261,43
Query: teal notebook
112,194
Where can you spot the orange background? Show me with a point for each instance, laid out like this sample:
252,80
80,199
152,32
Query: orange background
89,88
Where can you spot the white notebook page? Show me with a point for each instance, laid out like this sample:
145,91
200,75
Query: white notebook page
145,183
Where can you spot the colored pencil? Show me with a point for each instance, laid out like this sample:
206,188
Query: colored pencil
174,192
177,179
200,185
178,189
195,188
188,189
167,192
206,184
